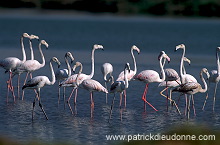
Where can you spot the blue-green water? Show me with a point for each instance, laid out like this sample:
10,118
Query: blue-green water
77,34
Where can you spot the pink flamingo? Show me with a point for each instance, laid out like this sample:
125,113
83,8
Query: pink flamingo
106,69
30,66
119,86
11,63
62,74
91,86
72,79
15,71
192,88
214,78
132,73
185,78
151,76
40,81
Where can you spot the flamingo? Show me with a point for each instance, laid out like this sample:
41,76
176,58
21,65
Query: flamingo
106,69
10,63
91,86
214,78
185,78
30,66
73,84
62,74
72,79
172,78
39,82
120,86
192,88
32,58
151,76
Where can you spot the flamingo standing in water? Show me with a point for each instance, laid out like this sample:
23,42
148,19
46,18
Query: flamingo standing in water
15,71
62,74
11,63
30,66
185,78
120,86
151,76
214,78
172,79
106,69
192,88
72,79
132,73
91,86
40,81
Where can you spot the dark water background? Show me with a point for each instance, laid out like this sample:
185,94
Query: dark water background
77,34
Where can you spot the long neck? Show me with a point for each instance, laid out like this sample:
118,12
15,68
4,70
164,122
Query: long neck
204,82
68,66
181,65
218,65
52,74
162,71
93,64
31,48
135,65
126,78
22,49
42,55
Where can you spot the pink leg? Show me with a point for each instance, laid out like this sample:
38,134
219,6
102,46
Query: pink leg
75,96
144,98
125,98
120,100
92,104
24,84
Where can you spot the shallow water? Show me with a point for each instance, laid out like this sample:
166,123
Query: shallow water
117,35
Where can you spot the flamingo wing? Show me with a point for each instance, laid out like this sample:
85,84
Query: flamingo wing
93,85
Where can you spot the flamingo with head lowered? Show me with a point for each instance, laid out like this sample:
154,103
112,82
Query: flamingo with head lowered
151,76
106,69
39,82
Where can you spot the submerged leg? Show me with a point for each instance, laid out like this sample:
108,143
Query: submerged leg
213,108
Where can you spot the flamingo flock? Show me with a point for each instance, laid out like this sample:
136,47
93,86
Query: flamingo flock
181,82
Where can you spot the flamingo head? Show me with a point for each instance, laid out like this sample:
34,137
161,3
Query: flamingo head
54,59
97,46
187,60
77,65
218,48
45,43
134,47
205,70
69,54
34,37
25,35
163,55
181,46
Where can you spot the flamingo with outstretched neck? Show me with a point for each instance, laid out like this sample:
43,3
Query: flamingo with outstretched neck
39,82
30,66
151,76
11,63
72,79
